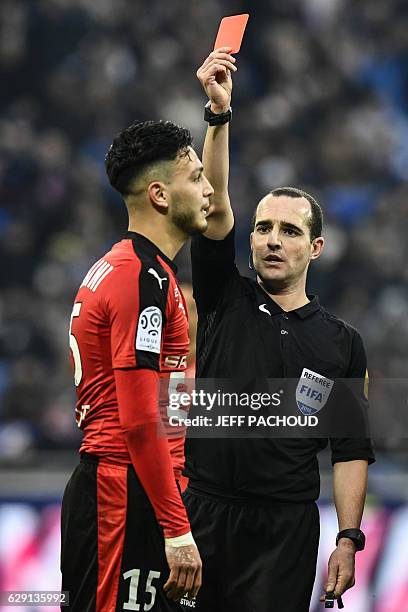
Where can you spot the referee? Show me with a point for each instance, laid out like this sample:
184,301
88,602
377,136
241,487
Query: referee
252,502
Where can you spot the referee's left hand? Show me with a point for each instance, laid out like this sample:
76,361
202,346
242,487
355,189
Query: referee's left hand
341,568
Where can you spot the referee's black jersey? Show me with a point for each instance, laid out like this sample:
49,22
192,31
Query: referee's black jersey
243,334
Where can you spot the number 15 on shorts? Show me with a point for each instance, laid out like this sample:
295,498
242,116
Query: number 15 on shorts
134,576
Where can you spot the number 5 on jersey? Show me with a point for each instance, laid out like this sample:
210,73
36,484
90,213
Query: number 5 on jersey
73,345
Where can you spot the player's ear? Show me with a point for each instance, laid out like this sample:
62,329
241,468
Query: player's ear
158,195
317,247
251,237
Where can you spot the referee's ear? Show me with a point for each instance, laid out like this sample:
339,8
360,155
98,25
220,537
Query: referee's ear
316,247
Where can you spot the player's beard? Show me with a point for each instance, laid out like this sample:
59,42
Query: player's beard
187,220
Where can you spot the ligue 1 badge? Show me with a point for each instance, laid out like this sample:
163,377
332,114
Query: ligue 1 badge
312,391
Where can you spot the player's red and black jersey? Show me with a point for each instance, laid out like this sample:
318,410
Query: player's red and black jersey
128,313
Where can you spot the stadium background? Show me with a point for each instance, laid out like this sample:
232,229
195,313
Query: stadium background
320,101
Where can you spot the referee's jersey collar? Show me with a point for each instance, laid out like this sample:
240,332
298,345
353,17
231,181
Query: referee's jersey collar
148,246
304,311
309,308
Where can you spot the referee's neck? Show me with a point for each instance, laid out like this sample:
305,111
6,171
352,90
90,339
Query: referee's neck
289,298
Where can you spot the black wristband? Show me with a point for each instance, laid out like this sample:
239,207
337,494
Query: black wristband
213,118
356,535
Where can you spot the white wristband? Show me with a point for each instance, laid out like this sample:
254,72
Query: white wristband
183,540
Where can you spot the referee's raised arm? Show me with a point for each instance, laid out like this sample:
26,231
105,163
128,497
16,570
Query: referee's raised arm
215,77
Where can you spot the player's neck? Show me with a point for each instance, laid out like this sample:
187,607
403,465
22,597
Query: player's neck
167,240
289,298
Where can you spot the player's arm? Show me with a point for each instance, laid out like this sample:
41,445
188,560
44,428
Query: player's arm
138,399
215,77
137,311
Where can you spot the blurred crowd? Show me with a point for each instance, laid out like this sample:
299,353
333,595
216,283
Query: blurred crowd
320,101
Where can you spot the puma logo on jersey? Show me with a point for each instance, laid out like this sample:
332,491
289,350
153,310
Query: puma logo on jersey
263,308
153,272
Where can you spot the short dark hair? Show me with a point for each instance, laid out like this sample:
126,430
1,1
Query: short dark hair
316,223
141,144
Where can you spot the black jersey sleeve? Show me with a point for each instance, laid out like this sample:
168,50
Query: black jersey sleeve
137,312
349,449
213,266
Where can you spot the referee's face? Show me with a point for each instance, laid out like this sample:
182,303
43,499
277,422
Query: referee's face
190,193
281,244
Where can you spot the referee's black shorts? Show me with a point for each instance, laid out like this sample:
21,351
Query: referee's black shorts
256,558
112,548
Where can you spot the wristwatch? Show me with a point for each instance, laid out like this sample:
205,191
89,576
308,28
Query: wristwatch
214,118
356,535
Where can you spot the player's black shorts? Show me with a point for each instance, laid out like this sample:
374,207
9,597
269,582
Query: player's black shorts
112,548
256,558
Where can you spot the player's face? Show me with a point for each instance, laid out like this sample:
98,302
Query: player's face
190,195
280,242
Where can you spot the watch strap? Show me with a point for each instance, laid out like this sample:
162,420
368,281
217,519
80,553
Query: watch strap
356,535
214,118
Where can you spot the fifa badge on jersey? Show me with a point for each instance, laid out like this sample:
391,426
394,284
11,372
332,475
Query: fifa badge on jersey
312,391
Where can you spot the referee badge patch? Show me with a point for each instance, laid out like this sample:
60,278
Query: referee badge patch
149,330
312,391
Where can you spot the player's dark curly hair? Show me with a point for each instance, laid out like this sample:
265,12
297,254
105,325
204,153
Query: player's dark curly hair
141,144
316,223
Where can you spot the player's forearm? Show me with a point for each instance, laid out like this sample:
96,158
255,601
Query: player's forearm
349,488
137,395
151,459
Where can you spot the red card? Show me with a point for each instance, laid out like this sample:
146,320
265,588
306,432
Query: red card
231,32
